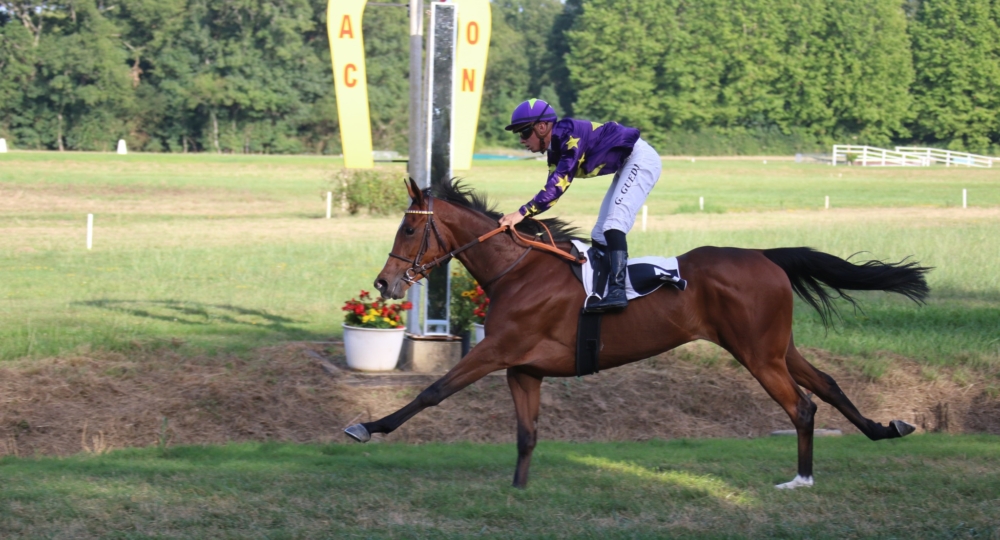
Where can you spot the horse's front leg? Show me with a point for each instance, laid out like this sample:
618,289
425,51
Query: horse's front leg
481,361
526,391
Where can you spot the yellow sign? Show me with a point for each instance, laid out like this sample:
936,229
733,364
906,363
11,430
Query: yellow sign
470,69
343,24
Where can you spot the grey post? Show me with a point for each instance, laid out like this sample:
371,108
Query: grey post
440,95
415,165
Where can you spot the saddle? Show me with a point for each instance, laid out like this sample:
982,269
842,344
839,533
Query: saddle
644,275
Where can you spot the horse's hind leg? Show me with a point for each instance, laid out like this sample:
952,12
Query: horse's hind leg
526,391
770,371
782,388
826,388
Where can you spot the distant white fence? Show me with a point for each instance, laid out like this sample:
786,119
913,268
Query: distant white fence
949,157
868,156
906,156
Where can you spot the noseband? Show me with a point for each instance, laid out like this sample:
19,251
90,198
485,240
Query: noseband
418,271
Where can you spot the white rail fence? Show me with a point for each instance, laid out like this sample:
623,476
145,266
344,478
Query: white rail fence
949,157
905,156
868,156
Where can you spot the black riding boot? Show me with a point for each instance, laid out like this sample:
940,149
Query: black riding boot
615,298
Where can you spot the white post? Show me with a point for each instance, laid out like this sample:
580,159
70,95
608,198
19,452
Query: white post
965,198
3,146
122,150
90,231
834,160
644,209
701,203
329,204
827,202
765,162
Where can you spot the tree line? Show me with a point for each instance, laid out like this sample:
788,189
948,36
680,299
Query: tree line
698,77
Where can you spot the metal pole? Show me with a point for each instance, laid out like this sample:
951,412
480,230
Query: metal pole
417,145
439,98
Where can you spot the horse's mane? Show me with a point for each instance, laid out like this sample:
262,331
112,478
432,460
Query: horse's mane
458,193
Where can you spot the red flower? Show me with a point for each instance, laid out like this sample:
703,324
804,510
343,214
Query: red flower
358,312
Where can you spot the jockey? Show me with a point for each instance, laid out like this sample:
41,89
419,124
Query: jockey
584,149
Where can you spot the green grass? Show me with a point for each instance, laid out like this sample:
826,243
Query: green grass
929,486
228,253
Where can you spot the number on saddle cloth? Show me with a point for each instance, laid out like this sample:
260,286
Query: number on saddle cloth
645,275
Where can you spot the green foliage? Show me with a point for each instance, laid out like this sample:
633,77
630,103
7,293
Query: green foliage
956,51
376,190
808,73
462,307
709,77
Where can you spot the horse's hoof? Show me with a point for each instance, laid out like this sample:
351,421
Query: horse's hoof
797,482
358,433
903,428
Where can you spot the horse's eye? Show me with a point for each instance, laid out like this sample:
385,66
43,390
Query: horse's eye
409,231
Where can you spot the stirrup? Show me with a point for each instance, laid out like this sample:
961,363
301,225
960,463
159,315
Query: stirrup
611,302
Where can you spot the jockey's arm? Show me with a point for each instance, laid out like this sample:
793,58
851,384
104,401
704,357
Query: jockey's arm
557,184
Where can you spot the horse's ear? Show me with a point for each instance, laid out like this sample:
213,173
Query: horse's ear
416,195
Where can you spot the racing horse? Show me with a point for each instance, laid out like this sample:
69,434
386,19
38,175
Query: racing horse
739,299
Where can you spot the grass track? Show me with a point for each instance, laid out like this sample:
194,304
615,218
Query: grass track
228,253
928,486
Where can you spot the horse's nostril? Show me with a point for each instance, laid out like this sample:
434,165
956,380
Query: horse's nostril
380,285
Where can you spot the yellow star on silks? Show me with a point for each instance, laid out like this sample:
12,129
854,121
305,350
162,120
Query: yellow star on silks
563,183
532,210
594,126
594,172
573,142
580,162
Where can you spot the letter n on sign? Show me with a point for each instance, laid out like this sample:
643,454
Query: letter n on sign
474,23
343,25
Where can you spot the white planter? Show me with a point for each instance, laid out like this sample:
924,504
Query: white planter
372,349
480,331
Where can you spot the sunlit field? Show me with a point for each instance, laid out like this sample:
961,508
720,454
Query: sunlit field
924,486
227,253
209,256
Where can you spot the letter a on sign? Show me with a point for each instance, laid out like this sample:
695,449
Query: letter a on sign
474,22
343,25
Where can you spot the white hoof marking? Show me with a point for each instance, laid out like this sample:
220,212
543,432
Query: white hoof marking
798,481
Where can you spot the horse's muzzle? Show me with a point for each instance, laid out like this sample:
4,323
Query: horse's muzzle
391,293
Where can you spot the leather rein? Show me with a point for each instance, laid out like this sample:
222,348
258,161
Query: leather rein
418,271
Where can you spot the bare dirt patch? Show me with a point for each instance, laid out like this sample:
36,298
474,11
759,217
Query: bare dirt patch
94,403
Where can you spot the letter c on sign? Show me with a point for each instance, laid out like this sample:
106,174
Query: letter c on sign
348,80
472,33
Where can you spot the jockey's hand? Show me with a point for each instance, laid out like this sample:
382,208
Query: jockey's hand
511,219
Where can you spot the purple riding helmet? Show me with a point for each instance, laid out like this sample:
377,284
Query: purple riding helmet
530,112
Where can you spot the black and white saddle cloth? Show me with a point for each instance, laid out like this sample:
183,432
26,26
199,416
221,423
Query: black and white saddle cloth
644,275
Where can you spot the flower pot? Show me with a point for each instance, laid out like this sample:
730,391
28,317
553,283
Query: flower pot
480,331
372,349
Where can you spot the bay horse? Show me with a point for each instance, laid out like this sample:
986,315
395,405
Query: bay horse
739,299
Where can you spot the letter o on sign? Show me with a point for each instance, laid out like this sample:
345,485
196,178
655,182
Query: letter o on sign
472,33
348,80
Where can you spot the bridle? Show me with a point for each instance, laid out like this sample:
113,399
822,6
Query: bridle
418,271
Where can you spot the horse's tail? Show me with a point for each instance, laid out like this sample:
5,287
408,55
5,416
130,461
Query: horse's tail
809,270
